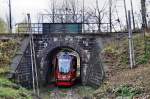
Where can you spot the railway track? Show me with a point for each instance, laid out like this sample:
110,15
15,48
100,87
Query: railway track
69,94
60,93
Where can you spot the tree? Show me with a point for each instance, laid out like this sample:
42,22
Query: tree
99,15
3,26
63,11
22,27
143,12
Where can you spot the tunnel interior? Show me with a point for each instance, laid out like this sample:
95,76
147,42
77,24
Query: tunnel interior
52,65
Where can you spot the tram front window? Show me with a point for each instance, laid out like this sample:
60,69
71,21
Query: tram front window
64,65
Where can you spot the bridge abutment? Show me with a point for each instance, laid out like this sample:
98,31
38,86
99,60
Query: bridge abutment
86,46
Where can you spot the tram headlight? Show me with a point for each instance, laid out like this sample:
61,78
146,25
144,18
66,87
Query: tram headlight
69,76
73,79
64,77
59,76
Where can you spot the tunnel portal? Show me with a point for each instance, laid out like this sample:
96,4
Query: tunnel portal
85,47
52,65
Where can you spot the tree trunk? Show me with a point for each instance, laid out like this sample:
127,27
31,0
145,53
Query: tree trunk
143,12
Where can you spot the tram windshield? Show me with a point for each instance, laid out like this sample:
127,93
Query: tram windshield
64,63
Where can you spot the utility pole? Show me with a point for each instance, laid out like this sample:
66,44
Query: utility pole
35,80
132,15
110,14
10,19
66,9
83,16
125,8
131,46
29,23
53,12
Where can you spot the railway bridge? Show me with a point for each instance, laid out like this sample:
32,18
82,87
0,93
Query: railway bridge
87,46
43,47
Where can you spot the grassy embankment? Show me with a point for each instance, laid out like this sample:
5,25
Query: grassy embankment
121,81
8,89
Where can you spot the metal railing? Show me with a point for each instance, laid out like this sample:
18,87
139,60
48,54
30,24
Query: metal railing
37,28
25,28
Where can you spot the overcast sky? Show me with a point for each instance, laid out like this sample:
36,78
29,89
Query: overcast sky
21,7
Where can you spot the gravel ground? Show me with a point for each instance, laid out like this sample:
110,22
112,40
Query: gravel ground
75,92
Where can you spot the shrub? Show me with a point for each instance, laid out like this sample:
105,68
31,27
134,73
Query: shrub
126,91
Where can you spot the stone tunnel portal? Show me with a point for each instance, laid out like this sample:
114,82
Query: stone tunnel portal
86,49
52,64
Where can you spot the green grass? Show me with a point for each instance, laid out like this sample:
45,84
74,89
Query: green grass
5,82
8,89
8,93
116,57
126,91
119,54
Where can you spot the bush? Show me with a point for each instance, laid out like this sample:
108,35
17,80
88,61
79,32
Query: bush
3,26
126,91
111,49
119,54
8,50
9,90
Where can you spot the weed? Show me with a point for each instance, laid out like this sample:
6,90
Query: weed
126,91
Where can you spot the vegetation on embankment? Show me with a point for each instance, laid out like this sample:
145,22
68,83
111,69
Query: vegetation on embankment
121,81
7,52
8,89
3,26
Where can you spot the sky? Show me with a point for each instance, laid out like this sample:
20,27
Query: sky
21,7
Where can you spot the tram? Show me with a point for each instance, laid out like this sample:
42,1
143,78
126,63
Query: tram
66,69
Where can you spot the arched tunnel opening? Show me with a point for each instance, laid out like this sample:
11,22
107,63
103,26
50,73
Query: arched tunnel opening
64,67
